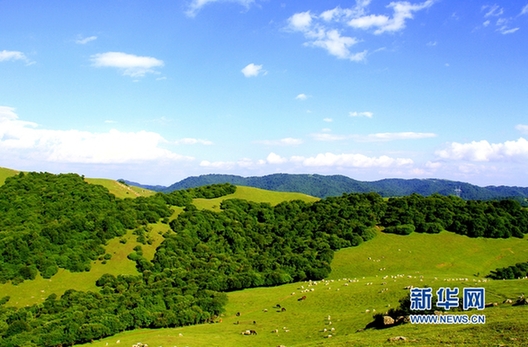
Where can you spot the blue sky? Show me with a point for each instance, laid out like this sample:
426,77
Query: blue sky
156,91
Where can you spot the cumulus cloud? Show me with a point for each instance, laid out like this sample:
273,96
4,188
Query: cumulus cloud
483,151
325,30
252,70
196,5
13,55
130,64
83,41
301,97
361,114
192,141
28,140
288,141
273,158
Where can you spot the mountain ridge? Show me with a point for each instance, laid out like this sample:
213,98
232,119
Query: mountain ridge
322,186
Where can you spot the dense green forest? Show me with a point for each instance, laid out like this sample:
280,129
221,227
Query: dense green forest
51,221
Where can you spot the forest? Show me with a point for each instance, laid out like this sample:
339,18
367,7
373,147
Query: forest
60,221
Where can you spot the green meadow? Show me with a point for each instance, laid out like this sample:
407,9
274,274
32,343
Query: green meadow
365,280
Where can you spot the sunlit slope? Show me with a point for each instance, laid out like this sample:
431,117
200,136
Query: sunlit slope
364,279
5,173
253,194
120,190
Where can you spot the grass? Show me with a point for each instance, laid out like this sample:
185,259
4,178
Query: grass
120,190
411,260
5,173
253,194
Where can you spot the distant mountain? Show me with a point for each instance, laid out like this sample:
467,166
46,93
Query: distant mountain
324,186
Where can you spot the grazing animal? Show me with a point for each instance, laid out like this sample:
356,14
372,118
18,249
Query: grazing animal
265,310
252,332
283,309
302,298
238,314
278,306
254,322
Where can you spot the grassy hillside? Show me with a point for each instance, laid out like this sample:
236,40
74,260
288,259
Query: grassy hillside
444,259
253,194
5,173
120,190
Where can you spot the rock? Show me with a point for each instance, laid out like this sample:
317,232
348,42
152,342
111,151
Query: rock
388,320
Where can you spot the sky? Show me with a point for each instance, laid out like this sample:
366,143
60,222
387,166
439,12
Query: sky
157,91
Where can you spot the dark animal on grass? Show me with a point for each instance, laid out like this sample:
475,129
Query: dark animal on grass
302,298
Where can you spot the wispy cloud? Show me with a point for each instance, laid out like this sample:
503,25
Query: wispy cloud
325,30
301,97
252,70
361,114
522,128
288,141
83,41
28,140
196,5
14,55
503,24
328,120
483,151
492,10
129,64
524,10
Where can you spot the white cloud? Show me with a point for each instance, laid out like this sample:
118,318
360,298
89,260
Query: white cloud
252,70
483,151
129,64
13,55
192,141
354,160
288,141
273,158
328,120
338,45
300,21
83,41
522,128
403,10
26,139
326,29
301,97
196,5
361,114
432,43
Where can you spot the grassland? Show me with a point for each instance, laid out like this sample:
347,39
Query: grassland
439,260
120,190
